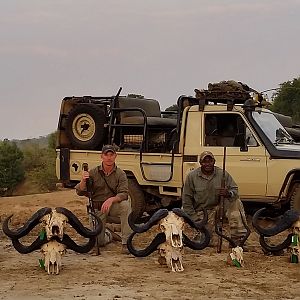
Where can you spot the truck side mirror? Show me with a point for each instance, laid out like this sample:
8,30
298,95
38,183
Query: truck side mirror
241,141
244,147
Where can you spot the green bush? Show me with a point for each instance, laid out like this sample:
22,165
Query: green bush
39,164
11,166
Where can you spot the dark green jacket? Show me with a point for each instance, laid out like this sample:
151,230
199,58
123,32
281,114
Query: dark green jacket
117,181
202,191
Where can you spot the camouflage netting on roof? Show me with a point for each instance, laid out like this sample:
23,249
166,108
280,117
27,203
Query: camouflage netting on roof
225,90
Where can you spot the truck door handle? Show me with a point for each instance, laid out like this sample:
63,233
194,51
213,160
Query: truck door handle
250,159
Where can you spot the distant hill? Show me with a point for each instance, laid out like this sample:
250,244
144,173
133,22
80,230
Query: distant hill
41,141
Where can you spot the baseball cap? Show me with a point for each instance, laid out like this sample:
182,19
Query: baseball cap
108,148
205,154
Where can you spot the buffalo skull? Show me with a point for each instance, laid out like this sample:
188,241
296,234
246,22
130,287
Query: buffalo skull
170,240
52,240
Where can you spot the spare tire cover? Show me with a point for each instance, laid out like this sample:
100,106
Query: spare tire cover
85,126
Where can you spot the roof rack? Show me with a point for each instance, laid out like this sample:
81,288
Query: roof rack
222,97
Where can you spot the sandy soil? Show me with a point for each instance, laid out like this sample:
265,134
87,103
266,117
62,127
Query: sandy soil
112,275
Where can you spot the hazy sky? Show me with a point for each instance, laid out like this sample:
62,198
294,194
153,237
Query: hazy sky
51,49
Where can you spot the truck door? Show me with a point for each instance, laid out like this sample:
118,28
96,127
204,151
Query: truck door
248,165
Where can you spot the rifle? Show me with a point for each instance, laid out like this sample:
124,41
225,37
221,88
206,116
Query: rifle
221,207
90,207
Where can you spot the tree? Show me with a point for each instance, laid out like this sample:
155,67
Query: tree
52,140
287,100
39,163
173,108
11,167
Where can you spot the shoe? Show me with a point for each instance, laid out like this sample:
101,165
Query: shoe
124,249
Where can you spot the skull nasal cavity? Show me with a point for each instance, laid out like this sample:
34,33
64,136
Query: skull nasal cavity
55,229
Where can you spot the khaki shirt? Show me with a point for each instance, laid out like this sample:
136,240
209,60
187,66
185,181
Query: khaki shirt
117,180
201,191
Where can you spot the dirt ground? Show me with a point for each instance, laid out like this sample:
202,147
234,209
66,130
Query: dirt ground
113,275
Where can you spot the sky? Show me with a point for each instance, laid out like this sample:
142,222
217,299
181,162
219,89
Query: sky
162,49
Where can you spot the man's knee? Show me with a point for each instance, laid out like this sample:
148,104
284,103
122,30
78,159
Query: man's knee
125,207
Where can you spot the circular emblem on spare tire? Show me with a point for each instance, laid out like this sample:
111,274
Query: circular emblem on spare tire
85,126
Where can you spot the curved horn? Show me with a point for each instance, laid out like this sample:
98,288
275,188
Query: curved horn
198,225
78,226
159,239
285,244
197,245
158,215
78,248
282,223
37,244
28,226
229,239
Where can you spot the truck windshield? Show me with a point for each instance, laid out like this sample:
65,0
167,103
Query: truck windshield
272,128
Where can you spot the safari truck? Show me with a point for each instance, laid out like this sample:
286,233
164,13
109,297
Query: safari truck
157,149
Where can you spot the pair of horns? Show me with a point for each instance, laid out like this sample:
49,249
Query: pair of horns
35,220
162,213
282,223
161,237
231,241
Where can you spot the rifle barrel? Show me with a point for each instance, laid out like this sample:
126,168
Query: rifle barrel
90,207
221,207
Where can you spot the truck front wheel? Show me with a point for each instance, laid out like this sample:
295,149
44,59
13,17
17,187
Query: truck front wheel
295,196
137,196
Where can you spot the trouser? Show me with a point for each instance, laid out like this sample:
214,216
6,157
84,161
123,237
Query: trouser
234,212
121,210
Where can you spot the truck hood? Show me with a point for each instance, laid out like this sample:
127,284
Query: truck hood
288,151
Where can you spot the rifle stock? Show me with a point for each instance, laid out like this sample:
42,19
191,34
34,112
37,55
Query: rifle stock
221,207
90,207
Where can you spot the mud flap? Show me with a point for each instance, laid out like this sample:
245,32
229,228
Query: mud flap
64,159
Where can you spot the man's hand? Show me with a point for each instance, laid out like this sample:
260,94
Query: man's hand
107,204
224,192
85,176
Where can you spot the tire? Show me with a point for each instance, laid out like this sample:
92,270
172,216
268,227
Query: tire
137,196
295,197
85,126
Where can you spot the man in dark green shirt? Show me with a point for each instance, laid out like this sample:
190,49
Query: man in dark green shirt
109,193
202,189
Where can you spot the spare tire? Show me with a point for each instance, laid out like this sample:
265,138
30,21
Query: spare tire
85,126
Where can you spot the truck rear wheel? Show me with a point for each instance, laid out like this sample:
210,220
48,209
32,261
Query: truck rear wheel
137,196
295,196
85,126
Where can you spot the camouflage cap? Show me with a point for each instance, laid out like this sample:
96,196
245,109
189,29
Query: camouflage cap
205,154
108,148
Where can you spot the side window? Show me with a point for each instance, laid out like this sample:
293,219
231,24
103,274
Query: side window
250,139
227,130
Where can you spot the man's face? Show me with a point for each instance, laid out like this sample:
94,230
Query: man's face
207,165
108,159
